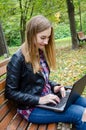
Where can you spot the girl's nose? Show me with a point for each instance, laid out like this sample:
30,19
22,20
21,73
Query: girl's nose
46,41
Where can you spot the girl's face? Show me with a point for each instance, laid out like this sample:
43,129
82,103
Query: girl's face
43,38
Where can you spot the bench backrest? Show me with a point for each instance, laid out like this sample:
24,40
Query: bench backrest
5,105
80,34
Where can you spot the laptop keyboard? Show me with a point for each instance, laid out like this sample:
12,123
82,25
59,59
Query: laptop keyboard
62,101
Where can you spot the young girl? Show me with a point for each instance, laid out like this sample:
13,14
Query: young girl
28,81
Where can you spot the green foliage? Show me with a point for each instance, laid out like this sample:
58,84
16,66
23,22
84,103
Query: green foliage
12,33
84,22
10,17
62,30
10,21
11,30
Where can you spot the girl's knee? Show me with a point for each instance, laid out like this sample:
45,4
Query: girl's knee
77,113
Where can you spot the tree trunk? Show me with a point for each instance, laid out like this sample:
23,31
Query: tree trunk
24,11
3,45
70,6
22,28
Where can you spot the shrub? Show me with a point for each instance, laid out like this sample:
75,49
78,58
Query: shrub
62,30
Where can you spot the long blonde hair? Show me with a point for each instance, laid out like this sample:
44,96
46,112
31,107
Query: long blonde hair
36,25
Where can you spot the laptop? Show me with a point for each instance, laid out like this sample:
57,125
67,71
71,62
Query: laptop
71,96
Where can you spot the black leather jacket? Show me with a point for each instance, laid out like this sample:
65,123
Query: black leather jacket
22,85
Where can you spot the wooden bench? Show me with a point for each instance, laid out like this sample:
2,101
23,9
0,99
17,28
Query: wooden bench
81,36
9,118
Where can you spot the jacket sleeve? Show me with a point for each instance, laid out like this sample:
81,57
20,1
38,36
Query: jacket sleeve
13,90
53,84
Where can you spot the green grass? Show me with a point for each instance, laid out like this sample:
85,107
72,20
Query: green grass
62,43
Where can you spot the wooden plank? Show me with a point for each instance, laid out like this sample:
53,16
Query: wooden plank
2,84
3,66
14,122
2,99
32,127
5,109
4,62
81,36
52,126
23,125
42,127
3,70
7,119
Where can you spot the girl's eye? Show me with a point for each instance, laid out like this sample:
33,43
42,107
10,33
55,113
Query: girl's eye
42,38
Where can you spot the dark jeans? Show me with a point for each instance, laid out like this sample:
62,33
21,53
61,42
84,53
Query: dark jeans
72,115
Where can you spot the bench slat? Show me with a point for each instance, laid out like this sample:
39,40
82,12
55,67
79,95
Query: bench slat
42,127
2,84
14,122
3,70
52,126
32,127
5,109
2,99
23,125
4,62
7,119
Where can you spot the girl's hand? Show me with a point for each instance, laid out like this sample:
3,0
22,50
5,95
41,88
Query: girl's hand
50,98
61,89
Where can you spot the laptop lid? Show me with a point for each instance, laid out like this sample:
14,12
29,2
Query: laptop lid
76,91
